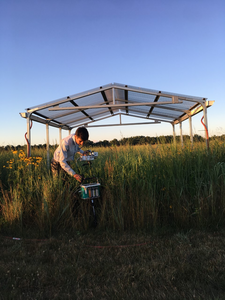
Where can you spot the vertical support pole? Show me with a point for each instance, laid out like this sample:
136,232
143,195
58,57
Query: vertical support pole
174,134
181,135
191,133
69,131
60,135
28,137
206,125
113,96
47,145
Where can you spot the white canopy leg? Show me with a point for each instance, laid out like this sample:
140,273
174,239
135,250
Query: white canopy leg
174,134
28,136
206,125
113,96
181,135
191,133
47,145
60,135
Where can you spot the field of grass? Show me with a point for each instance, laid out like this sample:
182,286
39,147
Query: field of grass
160,232
143,188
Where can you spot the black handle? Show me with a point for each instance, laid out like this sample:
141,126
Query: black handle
87,178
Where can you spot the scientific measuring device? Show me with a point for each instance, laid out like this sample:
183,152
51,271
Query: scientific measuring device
90,186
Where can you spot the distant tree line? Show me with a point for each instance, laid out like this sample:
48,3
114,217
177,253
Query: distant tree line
147,140
142,140
135,140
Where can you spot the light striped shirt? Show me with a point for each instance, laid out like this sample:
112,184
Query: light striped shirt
66,151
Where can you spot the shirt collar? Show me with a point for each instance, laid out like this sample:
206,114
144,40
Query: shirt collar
73,137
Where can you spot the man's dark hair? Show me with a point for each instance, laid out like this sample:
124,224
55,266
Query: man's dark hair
82,133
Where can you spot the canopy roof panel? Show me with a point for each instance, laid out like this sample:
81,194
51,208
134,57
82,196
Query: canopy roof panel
83,109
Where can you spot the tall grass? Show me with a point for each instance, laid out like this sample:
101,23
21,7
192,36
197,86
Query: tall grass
143,187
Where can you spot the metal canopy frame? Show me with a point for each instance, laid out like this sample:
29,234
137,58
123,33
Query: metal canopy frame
86,108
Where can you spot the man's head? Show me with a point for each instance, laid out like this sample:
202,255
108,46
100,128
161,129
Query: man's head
81,135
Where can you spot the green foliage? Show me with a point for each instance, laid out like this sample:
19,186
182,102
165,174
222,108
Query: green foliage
143,187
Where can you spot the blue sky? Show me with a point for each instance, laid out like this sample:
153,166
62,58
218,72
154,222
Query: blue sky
53,48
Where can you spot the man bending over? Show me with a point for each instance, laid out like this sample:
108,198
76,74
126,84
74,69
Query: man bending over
65,152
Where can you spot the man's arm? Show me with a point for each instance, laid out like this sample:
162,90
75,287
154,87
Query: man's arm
63,161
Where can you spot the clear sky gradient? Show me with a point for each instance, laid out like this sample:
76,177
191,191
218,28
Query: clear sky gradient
55,48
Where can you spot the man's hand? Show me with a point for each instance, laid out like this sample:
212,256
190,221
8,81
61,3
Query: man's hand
78,177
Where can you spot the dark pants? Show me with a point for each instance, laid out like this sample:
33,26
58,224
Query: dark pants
57,169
